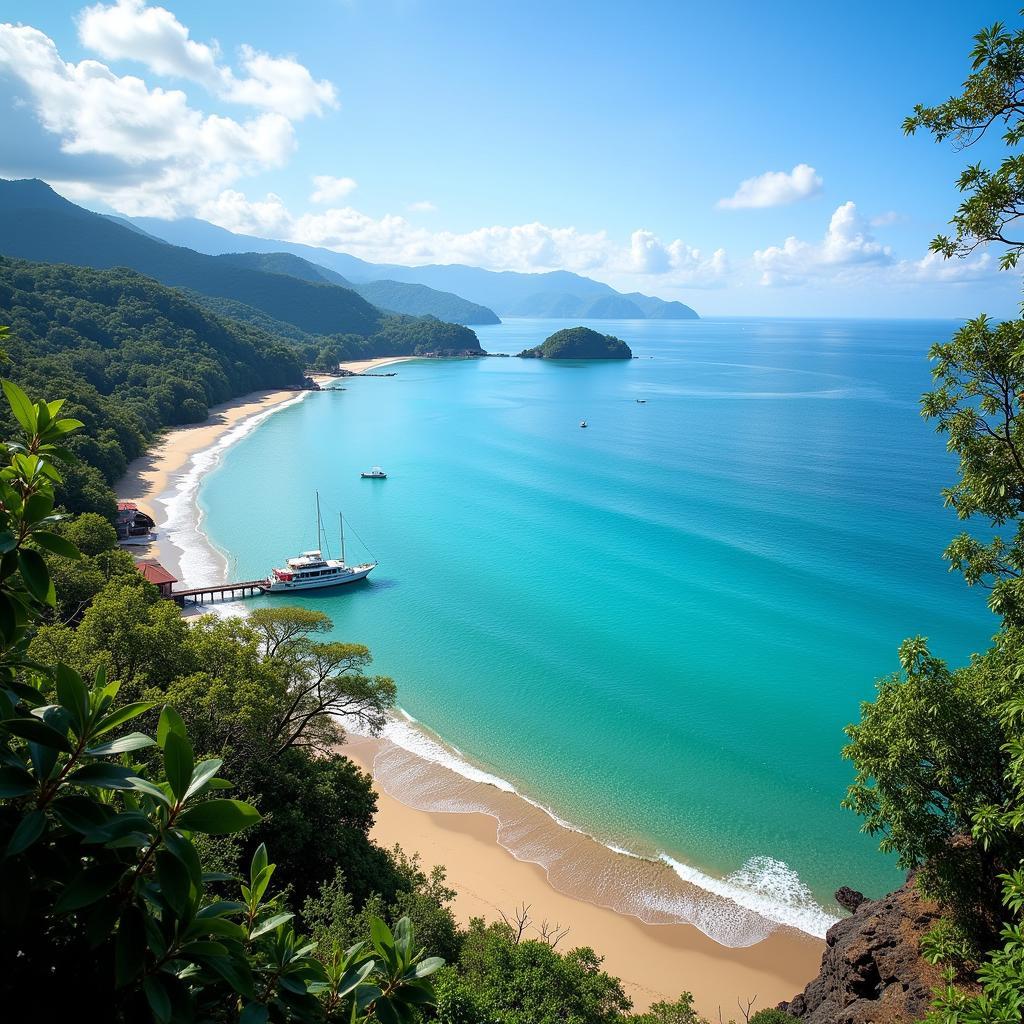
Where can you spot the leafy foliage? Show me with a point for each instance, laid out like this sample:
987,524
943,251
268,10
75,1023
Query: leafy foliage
504,978
101,880
993,95
132,356
976,402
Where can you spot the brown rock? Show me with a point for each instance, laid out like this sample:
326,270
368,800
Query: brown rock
871,970
849,899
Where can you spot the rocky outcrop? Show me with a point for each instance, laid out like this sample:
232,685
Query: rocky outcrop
871,970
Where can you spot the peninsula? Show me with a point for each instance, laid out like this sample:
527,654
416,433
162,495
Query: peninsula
579,343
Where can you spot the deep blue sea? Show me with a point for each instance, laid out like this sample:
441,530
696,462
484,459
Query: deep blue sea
656,627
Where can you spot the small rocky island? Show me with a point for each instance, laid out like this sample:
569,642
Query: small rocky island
579,343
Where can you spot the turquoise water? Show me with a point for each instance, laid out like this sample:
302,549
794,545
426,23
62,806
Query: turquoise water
658,626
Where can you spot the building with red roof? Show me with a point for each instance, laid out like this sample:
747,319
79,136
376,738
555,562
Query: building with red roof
157,575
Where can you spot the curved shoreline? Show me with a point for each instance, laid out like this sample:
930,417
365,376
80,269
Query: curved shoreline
646,945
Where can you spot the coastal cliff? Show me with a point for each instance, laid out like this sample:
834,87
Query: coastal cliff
872,971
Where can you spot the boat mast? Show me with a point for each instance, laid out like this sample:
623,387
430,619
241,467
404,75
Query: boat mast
341,527
319,521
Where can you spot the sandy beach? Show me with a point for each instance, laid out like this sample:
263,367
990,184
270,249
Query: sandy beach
655,960
150,478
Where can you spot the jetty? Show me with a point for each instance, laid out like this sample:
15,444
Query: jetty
229,591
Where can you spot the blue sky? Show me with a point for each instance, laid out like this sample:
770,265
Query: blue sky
596,137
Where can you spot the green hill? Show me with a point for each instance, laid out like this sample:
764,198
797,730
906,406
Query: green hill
579,343
131,355
37,224
419,300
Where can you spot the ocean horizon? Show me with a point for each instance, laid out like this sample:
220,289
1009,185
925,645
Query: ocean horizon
653,630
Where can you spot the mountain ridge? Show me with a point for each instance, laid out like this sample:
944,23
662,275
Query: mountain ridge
507,292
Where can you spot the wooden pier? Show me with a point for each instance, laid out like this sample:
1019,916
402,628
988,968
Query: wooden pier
230,591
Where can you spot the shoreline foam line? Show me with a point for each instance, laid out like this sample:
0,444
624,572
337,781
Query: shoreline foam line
734,912
200,561
418,768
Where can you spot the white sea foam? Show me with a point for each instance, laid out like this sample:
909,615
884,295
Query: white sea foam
201,564
739,910
766,886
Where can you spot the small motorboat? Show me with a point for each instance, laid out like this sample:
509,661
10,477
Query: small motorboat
583,424
376,473
641,401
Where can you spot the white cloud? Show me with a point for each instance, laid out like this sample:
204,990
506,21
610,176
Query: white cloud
131,30
328,190
685,265
936,268
179,155
645,261
774,188
422,206
845,249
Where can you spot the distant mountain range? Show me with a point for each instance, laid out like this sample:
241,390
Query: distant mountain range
555,294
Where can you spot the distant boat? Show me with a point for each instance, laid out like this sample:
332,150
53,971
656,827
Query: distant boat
311,571
376,473
583,424
641,401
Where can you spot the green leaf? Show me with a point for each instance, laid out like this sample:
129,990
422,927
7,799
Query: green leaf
219,817
204,948
29,829
15,782
38,507
175,884
270,924
157,997
91,885
122,745
36,576
170,721
185,852
235,973
254,1013
72,695
122,715
427,967
60,428
201,774
21,405
57,544
37,732
105,776
178,763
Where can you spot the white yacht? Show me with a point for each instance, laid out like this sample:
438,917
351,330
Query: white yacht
376,473
311,571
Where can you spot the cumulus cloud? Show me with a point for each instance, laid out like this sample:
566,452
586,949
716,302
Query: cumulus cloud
774,188
535,247
132,30
650,256
422,206
329,190
936,268
178,153
846,247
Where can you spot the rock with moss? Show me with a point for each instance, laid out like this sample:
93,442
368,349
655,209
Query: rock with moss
579,343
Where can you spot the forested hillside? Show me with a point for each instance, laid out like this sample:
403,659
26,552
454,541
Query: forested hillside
37,224
131,356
